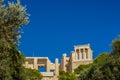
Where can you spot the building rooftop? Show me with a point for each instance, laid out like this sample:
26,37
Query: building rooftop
38,57
82,45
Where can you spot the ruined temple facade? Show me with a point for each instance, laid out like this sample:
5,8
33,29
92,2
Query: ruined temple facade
82,54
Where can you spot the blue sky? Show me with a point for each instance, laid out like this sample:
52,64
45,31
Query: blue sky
57,25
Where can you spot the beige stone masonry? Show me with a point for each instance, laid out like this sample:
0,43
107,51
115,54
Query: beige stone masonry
82,54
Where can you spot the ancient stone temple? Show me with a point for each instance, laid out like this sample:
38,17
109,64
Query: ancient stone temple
82,54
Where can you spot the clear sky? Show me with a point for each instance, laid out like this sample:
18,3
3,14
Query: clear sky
57,25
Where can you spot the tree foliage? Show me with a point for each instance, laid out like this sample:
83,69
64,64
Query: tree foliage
116,47
66,76
81,68
32,74
12,17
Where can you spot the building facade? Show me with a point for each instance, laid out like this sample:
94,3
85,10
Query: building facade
82,54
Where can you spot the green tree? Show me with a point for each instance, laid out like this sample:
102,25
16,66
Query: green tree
81,68
12,17
66,76
32,74
116,47
81,71
96,72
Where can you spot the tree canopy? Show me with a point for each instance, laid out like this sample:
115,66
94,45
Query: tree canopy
66,76
12,17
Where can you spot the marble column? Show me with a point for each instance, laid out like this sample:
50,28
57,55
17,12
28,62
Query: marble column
56,67
35,64
48,66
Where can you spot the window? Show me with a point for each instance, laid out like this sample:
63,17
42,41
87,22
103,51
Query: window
42,69
52,70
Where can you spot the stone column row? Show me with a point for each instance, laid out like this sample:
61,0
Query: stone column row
83,54
56,67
